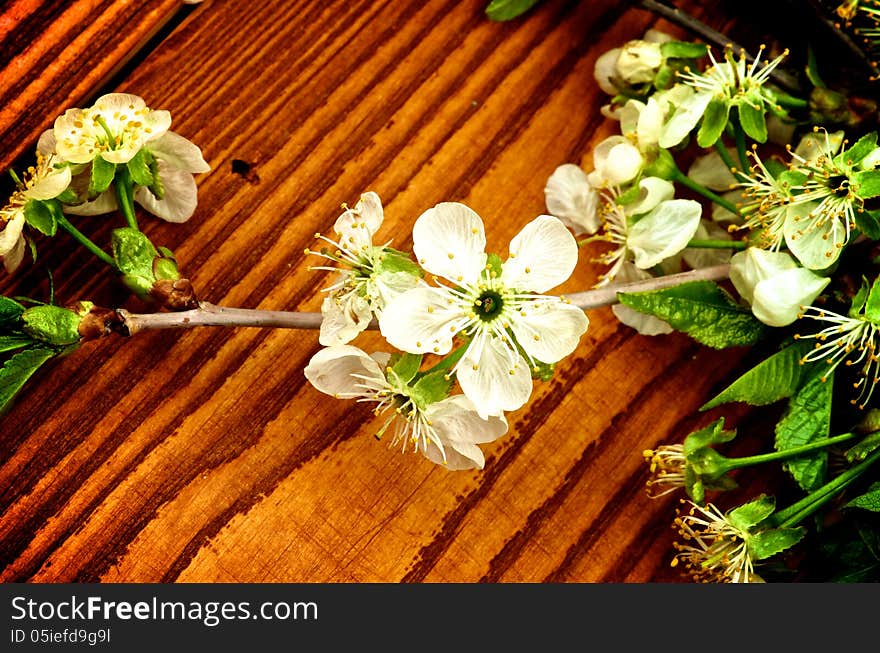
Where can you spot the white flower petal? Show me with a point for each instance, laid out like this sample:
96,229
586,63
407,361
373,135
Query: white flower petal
653,191
11,234
687,115
421,320
461,429
343,319
624,162
498,381
181,195
179,152
103,203
335,370
750,267
357,225
542,256
664,231
815,241
50,186
13,259
384,287
46,143
549,332
816,144
650,125
639,61
605,71
778,300
710,171
449,241
629,116
571,198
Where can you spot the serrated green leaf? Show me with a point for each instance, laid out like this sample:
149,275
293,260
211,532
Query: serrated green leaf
866,184
683,50
41,217
863,449
139,168
432,388
752,513
775,540
714,122
776,377
860,149
807,419
406,366
753,121
102,176
14,341
701,309
18,369
133,252
870,500
502,10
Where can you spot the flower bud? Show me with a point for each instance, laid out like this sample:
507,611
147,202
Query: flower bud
639,61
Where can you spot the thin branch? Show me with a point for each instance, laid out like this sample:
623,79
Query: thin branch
208,314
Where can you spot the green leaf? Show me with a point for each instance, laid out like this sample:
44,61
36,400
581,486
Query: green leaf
139,168
775,540
776,377
52,324
14,341
872,304
868,222
807,419
41,217
752,119
860,149
405,366
866,184
18,369
863,449
683,50
752,513
714,122
502,10
870,500
432,388
133,252
10,311
102,176
701,309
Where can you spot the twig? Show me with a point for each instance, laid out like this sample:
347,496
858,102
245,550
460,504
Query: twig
208,314
685,20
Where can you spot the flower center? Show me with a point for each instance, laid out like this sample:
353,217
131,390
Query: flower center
488,305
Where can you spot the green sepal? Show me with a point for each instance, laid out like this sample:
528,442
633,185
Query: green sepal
51,324
431,388
857,453
777,168
714,122
866,183
750,514
806,420
789,178
768,543
777,377
705,468
68,196
706,437
165,268
870,500
753,121
493,264
139,168
42,216
543,371
405,366
665,77
703,310
157,188
663,166
860,149
683,50
102,176
18,369
859,299
393,261
501,10
630,196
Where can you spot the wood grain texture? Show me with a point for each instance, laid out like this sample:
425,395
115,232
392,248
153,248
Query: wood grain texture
204,455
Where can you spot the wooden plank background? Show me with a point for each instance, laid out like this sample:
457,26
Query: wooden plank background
204,455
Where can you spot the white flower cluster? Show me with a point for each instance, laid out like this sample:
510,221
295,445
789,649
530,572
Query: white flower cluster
491,322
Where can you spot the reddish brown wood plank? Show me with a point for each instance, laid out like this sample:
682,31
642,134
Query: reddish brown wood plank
205,456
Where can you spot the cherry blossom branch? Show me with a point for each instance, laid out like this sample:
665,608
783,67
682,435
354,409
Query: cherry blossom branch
208,314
